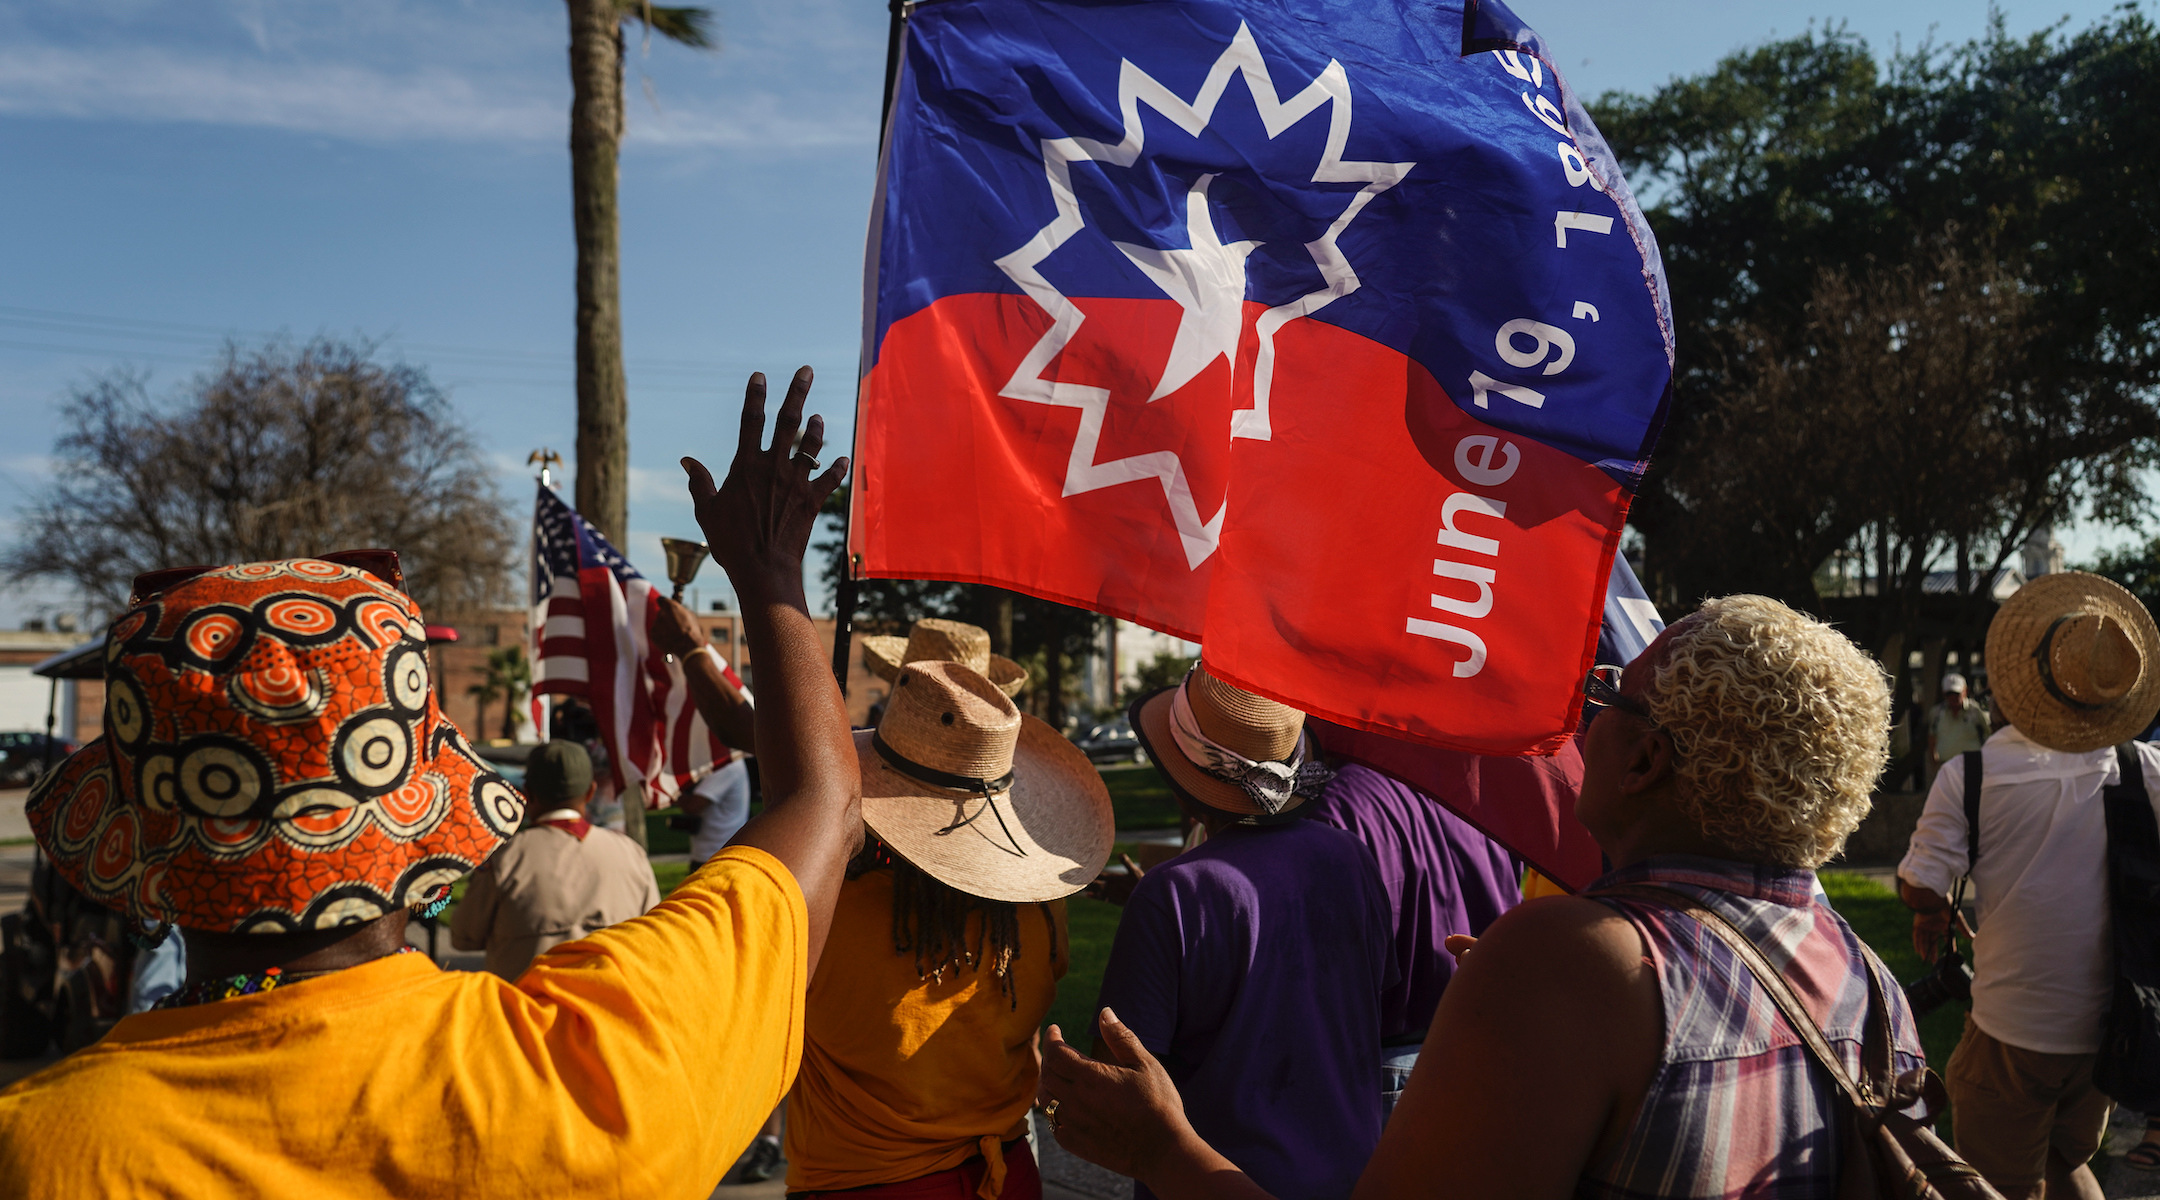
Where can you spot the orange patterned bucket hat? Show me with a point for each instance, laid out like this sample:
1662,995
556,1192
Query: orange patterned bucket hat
273,760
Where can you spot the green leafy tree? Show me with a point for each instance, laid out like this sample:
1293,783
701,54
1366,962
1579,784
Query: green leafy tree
2136,567
1043,635
596,131
1912,305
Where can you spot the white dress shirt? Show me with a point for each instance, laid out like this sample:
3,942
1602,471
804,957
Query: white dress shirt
2043,961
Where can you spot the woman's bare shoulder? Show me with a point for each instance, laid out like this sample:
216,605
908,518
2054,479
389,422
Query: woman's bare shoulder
1564,938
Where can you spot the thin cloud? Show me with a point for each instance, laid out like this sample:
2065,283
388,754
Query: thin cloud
359,103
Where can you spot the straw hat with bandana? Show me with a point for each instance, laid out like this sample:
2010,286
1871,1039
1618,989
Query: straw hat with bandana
1230,749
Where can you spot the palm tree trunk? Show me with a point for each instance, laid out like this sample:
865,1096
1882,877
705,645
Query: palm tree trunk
596,123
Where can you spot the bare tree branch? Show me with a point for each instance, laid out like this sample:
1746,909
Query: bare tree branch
282,451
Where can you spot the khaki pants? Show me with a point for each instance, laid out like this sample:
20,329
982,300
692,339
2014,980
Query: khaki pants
2010,1106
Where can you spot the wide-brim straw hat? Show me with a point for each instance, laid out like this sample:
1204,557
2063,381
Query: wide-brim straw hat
2074,662
937,640
1257,728
957,781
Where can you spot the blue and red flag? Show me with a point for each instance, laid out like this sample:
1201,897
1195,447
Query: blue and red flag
1524,802
1324,334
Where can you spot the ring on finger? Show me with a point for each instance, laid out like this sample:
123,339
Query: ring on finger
807,460
1049,1112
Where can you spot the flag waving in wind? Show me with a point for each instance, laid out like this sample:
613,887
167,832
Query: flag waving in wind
1324,334
592,620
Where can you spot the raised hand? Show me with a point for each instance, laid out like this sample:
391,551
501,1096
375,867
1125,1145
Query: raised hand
676,631
758,524
758,521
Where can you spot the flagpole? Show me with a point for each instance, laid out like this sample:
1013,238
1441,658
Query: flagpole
542,712
844,589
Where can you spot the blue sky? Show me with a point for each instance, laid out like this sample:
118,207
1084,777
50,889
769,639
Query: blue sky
174,173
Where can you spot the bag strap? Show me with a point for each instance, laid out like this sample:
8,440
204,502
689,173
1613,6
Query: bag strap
2131,784
1972,808
1773,982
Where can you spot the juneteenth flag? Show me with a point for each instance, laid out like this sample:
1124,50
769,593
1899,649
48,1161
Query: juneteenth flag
1524,802
592,616
1326,335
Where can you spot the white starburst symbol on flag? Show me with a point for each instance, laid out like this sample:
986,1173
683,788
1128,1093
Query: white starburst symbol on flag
1208,280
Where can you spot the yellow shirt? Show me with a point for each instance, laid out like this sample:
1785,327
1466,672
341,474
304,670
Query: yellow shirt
902,1077
635,1062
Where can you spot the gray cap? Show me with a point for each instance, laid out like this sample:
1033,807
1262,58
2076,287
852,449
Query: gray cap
559,772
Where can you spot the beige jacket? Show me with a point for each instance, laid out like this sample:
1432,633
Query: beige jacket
547,887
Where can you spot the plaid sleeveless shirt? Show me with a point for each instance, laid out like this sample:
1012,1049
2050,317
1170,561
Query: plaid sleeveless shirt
1737,1107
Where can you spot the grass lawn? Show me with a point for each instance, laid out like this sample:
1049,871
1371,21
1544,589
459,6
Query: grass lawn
1140,797
1089,924
659,839
670,874
1885,924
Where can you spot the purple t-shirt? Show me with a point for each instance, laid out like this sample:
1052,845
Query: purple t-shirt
1252,965
1442,877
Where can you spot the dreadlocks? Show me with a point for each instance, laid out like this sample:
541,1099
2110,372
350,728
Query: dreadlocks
930,919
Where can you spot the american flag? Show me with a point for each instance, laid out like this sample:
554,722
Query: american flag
592,616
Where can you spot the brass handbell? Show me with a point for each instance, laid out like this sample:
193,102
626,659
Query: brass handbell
683,560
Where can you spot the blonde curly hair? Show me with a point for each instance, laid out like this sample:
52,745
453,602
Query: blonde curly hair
1780,726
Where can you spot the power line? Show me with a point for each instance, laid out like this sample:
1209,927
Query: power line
210,338
549,384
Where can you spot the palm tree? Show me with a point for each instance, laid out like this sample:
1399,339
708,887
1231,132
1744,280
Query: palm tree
596,129
483,694
508,677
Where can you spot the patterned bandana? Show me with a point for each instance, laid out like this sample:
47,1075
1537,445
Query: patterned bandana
1269,784
273,760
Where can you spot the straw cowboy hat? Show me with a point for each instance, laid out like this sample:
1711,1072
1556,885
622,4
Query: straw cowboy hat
273,761
996,804
2075,662
935,640
1229,749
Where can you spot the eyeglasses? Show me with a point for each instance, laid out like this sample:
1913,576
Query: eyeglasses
1602,686
382,564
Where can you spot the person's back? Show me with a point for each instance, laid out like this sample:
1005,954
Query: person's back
589,1076
2039,887
919,1062
552,884
279,783
1253,965
1737,1098
1442,877
904,1076
2071,657
557,881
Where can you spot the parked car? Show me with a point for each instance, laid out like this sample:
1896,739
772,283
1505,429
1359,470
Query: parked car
1112,742
23,757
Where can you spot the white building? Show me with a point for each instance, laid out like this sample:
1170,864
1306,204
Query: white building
1114,662
2042,555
